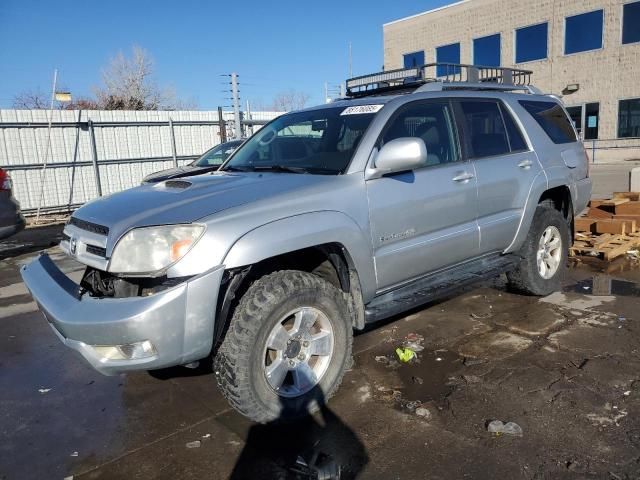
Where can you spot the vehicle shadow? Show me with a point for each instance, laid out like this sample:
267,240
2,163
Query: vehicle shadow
314,446
203,368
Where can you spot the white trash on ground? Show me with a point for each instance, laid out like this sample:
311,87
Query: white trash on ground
497,427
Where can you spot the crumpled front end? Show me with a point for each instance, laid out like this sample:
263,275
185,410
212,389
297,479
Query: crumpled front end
171,327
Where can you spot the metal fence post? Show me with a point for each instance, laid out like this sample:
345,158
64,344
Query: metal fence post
593,151
75,158
94,157
173,143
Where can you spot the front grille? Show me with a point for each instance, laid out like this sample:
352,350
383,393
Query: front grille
99,251
89,227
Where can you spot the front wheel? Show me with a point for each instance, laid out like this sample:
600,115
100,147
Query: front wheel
287,346
543,255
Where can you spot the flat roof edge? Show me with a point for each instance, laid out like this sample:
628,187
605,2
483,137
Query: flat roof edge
425,13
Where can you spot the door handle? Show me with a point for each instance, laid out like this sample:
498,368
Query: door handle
463,177
525,164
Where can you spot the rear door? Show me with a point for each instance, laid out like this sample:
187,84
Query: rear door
424,219
504,164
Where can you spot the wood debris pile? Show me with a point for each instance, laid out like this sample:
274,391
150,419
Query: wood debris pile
610,228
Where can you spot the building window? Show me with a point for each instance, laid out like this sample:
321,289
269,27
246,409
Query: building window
414,59
448,54
591,114
629,118
583,32
486,51
631,22
531,43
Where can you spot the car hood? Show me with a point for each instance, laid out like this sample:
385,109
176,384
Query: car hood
185,171
188,200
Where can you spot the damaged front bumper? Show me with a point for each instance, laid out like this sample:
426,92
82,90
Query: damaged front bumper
175,326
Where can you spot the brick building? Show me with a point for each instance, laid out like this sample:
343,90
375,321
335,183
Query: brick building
587,51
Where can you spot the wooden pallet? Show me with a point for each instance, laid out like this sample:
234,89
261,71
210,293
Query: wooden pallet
607,246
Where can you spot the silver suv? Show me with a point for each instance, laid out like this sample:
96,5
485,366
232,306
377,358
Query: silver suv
325,220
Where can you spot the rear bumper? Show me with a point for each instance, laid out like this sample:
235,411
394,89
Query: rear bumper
178,321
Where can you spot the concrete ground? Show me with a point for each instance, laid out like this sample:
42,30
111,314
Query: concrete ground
565,368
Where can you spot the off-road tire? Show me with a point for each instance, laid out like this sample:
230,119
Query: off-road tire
525,277
239,363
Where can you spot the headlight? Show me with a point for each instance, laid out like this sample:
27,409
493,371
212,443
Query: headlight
149,249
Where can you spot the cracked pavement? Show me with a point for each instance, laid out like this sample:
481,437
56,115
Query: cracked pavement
565,368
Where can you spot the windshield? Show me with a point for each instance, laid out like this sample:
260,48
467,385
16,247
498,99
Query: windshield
317,141
217,155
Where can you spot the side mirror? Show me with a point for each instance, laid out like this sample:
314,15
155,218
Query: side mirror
399,155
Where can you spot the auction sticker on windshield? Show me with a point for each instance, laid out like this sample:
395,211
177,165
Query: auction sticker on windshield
359,109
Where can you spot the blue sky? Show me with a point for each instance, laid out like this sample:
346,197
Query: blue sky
273,45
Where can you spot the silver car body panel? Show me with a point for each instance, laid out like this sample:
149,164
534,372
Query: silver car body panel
178,321
393,229
405,246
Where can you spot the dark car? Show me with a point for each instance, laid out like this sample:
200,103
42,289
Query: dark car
209,162
11,220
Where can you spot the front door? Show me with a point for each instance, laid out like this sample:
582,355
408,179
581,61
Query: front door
425,219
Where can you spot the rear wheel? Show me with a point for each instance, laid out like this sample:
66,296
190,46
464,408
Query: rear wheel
287,346
543,255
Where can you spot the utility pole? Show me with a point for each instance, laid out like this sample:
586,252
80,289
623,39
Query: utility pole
222,127
248,117
236,105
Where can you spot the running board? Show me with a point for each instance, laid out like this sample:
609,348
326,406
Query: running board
436,286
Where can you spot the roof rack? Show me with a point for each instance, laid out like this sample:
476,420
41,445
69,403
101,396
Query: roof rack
441,76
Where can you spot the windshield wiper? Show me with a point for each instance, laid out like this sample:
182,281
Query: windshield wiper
279,168
231,168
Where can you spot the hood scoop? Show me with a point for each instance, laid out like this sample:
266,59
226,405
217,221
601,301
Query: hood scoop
177,184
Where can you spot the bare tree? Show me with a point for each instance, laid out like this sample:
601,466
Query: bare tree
81,103
289,100
31,100
36,100
128,84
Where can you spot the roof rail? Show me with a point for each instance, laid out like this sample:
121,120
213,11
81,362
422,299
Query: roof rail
444,76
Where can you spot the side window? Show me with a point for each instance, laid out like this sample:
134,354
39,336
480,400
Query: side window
516,140
485,128
351,132
430,121
551,117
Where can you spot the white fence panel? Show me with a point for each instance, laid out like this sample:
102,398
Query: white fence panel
128,146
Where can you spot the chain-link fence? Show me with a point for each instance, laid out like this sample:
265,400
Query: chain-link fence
92,153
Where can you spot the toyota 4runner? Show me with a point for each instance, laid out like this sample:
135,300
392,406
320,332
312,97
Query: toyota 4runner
419,181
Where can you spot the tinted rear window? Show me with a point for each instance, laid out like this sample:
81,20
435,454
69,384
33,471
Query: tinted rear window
551,117
516,140
485,127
